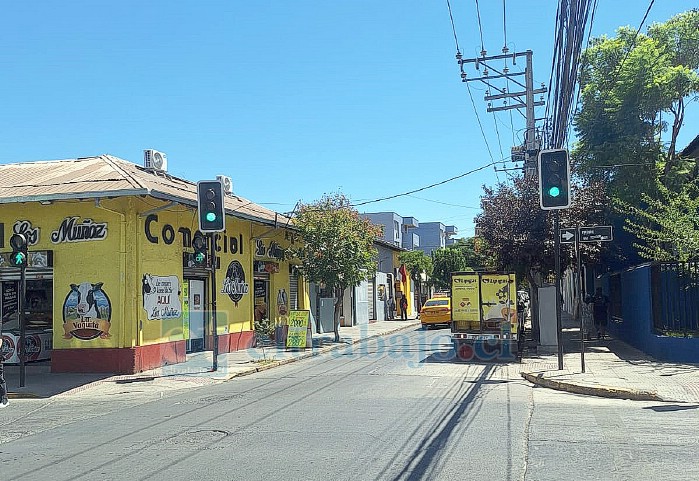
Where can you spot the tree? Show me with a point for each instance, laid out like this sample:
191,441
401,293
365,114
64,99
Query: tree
520,234
336,248
446,261
630,85
669,224
634,89
466,254
417,263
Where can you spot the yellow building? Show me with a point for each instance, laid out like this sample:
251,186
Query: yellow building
111,284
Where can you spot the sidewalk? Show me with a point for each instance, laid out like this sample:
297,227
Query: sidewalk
41,383
612,369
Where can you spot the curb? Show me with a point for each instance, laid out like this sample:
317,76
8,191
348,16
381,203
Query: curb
23,395
225,378
599,391
341,345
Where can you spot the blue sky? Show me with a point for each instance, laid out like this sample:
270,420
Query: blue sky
290,98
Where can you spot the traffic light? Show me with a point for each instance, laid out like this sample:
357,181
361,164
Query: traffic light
19,250
210,204
200,248
554,179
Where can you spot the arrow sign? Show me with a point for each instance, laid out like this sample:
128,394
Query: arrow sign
596,233
567,235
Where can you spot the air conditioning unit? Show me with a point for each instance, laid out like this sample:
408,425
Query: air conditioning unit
227,184
152,159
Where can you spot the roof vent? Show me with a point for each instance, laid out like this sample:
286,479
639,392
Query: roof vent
227,183
152,159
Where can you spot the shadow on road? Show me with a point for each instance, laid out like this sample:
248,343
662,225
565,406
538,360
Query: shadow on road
439,440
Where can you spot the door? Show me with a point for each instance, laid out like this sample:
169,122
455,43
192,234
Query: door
195,343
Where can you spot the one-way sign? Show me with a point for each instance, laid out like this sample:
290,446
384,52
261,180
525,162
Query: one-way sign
596,233
567,235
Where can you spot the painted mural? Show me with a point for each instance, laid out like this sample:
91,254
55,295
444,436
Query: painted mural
87,312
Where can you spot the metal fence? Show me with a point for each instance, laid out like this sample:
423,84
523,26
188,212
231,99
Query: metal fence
675,292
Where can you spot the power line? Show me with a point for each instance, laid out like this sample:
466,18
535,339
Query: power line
473,103
480,29
426,187
633,40
444,203
453,29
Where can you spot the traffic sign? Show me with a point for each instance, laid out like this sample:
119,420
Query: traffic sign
567,235
596,233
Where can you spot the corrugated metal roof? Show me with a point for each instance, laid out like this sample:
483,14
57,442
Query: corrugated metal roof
103,176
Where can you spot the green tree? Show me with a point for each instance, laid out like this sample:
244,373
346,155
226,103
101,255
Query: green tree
336,248
477,253
446,261
668,226
417,263
632,87
634,90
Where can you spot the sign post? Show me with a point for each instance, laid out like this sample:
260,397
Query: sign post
569,235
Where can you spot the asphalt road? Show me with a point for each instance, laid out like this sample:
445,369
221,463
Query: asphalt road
397,408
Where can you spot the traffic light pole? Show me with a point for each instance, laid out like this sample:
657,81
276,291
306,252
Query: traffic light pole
212,244
22,347
557,247
579,307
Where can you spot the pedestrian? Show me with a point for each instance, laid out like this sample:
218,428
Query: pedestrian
3,386
404,308
600,304
391,307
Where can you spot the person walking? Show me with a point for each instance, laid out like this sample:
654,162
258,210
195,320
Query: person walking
403,308
600,304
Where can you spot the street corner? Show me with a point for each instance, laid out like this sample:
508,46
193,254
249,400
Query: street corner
571,386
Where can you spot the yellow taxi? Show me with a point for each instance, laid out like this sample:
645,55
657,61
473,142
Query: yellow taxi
436,311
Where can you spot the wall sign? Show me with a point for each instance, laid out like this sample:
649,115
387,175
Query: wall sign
71,230
224,243
234,283
272,250
161,297
30,233
268,267
87,312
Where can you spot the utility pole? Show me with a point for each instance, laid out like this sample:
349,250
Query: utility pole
525,98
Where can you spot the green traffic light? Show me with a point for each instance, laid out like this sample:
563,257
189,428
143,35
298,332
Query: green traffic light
210,216
554,191
199,257
18,259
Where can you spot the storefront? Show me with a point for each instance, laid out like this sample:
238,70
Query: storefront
111,283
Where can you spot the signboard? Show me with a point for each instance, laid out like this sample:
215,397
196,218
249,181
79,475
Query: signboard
465,291
299,334
596,233
10,299
567,235
498,300
161,297
38,346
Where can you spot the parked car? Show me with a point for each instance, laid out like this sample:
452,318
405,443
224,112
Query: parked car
435,312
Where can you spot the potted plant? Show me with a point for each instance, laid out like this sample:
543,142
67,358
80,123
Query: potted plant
264,332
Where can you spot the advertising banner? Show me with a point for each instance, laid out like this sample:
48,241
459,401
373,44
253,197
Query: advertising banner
465,300
299,334
499,301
